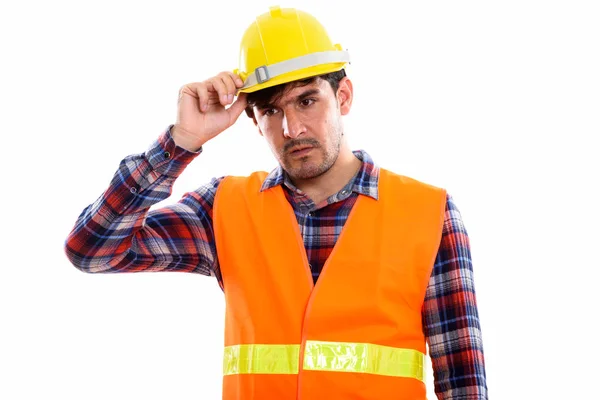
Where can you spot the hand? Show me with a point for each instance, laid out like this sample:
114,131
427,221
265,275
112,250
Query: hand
201,112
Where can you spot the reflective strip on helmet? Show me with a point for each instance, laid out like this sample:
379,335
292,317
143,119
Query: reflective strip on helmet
261,359
364,357
266,72
324,356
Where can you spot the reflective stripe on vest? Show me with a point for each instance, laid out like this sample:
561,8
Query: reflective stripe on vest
261,359
324,356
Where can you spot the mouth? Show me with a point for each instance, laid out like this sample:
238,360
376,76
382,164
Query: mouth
300,150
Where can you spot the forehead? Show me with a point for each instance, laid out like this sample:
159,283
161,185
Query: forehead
318,87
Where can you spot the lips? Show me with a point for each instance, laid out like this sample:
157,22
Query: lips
299,148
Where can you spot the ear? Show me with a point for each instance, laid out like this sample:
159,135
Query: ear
344,95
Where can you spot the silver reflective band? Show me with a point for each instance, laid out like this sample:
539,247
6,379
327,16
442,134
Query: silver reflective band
266,72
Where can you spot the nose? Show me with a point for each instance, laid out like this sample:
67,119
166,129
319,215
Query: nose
292,125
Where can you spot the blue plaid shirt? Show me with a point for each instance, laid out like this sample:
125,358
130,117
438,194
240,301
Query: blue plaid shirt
118,233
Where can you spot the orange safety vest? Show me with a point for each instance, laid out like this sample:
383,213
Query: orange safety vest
358,333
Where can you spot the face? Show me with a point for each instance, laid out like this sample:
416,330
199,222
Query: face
304,127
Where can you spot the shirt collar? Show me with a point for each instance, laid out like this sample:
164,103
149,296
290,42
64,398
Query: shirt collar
365,181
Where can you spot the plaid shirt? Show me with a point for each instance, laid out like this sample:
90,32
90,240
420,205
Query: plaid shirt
118,233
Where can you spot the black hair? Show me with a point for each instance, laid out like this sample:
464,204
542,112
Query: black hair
272,94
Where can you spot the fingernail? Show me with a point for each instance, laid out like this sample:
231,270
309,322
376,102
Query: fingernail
224,99
240,82
230,98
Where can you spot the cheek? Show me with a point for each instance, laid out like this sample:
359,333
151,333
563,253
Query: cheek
272,131
275,142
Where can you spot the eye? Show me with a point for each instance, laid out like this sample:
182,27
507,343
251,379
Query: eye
268,112
307,102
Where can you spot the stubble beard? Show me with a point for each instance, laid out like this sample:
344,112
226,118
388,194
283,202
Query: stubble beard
304,168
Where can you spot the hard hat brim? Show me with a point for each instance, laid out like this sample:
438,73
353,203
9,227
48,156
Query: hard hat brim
295,76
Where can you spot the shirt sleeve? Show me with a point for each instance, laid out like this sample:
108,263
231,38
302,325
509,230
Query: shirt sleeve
119,232
450,316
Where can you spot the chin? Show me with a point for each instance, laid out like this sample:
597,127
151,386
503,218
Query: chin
307,171
309,167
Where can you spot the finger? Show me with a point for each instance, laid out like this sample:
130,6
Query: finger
238,106
237,80
229,84
220,88
203,97
191,95
188,101
200,90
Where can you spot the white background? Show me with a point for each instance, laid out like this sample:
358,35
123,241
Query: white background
498,102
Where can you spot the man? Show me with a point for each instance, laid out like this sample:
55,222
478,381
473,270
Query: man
336,272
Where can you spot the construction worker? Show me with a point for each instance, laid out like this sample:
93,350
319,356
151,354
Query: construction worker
337,273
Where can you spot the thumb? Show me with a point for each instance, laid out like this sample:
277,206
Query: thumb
237,107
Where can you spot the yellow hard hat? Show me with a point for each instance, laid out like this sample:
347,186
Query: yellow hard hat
284,45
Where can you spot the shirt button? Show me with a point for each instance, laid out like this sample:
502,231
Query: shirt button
310,214
344,192
167,154
133,190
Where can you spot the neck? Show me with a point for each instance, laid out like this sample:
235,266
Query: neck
332,181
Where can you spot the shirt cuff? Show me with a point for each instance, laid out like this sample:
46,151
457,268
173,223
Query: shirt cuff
167,158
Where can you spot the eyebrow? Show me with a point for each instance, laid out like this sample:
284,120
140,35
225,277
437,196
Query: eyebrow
300,97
